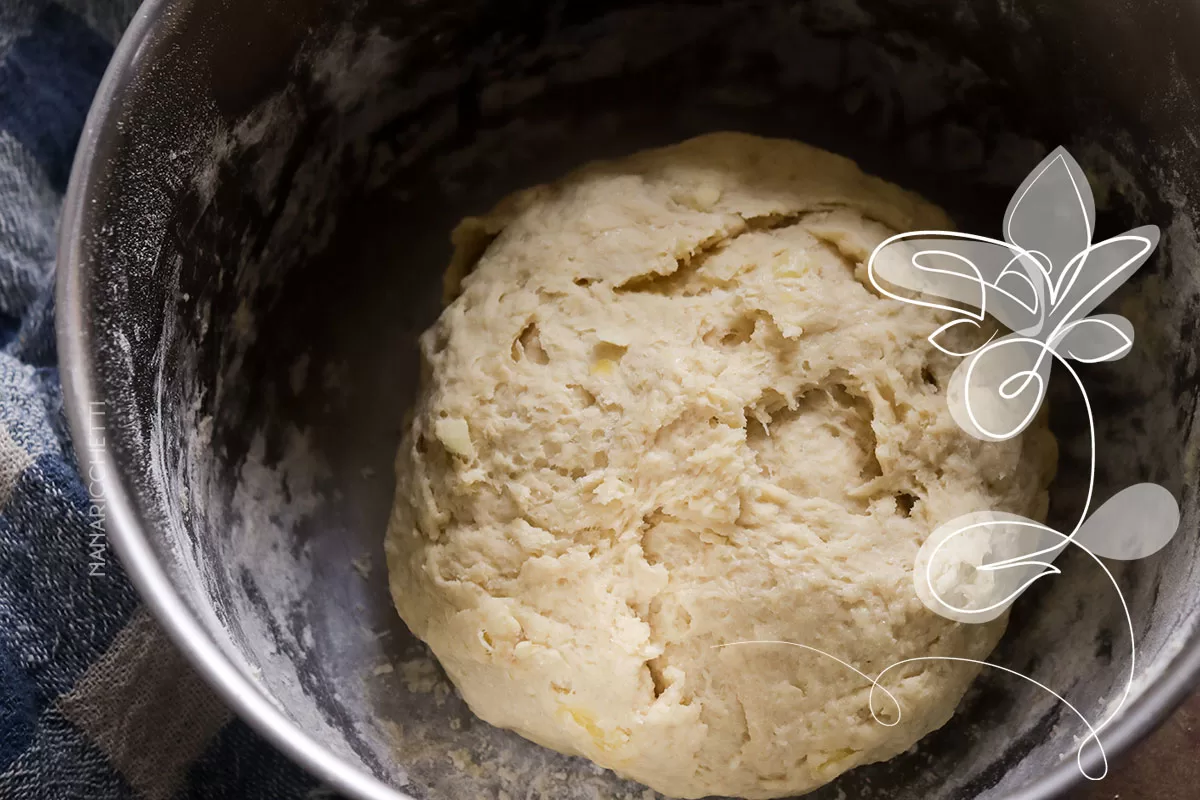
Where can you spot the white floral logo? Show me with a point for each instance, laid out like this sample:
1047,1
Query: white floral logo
1041,281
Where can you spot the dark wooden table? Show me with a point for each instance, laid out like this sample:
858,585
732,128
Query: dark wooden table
1165,766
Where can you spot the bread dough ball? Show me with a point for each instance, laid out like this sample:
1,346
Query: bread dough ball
665,412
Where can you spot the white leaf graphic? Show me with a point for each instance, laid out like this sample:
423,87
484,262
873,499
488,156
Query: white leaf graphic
995,393
1015,286
929,268
1135,522
973,567
946,339
985,275
1097,272
1104,337
1052,214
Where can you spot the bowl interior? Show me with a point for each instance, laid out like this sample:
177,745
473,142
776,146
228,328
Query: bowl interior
266,231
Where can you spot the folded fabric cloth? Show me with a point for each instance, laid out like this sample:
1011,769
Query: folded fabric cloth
95,702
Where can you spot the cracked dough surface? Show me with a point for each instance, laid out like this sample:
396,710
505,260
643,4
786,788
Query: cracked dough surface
663,413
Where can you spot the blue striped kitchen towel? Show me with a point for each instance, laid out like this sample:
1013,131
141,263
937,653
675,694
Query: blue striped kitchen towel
95,703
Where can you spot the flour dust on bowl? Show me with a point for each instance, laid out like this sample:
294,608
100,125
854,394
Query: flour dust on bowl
256,234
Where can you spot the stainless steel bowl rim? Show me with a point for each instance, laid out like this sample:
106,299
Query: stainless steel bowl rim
127,531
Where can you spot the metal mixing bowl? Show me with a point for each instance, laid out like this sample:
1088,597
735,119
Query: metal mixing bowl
254,235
